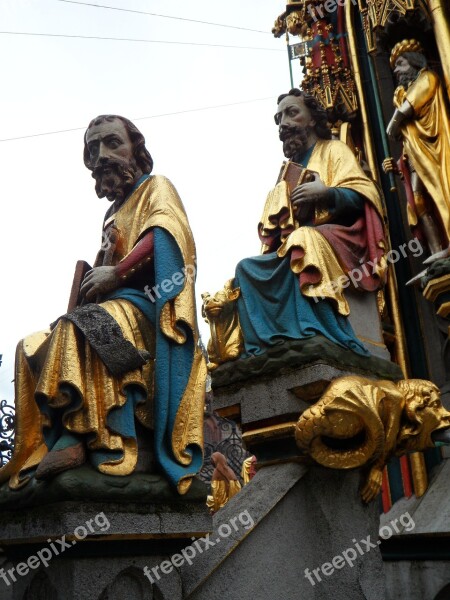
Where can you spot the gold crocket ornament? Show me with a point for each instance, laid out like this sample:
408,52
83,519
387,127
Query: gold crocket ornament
360,422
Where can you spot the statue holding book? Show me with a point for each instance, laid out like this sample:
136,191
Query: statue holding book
102,380
322,231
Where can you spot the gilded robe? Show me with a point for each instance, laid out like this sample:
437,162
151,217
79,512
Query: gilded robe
297,288
60,377
426,141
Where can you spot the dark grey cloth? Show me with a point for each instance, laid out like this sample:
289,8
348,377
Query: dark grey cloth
106,338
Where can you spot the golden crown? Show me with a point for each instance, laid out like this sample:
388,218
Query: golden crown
405,46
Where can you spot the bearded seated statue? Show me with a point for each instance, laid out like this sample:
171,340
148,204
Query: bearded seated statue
122,375
323,251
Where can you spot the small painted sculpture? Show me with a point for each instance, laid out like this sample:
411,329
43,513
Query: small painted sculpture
220,311
224,483
248,469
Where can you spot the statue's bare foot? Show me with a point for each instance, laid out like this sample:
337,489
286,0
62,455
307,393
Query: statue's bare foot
57,461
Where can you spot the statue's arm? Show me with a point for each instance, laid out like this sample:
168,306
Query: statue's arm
417,96
345,201
141,254
101,280
402,114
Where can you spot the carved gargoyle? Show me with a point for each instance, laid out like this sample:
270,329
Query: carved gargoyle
226,342
360,422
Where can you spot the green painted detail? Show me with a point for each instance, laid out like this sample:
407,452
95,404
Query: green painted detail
85,484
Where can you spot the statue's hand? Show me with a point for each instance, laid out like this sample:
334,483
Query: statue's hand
390,166
99,280
311,192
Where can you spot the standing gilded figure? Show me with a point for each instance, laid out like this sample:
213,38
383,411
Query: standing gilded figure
421,121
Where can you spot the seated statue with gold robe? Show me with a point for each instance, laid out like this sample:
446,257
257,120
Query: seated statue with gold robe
125,363
318,238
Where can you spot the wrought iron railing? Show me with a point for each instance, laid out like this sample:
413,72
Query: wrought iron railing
230,446
7,419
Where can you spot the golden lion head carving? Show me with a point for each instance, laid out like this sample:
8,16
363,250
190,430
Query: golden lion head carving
424,414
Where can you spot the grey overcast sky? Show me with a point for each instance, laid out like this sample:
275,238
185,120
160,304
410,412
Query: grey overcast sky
223,161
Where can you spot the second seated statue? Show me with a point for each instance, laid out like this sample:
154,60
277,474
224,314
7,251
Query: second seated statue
319,237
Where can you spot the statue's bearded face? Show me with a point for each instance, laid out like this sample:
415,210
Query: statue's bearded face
294,125
404,72
111,155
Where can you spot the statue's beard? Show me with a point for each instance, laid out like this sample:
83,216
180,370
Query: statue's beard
114,178
405,79
295,140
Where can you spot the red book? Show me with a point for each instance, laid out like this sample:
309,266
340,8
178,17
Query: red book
81,268
294,175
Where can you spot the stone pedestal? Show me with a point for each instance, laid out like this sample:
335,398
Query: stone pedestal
284,532
311,536
74,550
266,394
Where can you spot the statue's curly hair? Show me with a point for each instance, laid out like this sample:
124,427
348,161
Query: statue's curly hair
318,113
141,154
417,60
417,393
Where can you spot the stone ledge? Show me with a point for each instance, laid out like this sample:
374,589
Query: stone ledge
127,522
86,484
289,356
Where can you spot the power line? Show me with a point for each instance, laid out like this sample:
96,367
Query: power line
141,12
180,112
95,37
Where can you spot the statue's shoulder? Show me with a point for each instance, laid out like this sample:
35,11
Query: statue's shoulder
162,195
334,145
159,186
426,77
426,72
334,149
155,181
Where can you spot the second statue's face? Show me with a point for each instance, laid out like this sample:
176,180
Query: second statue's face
294,124
403,71
113,165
